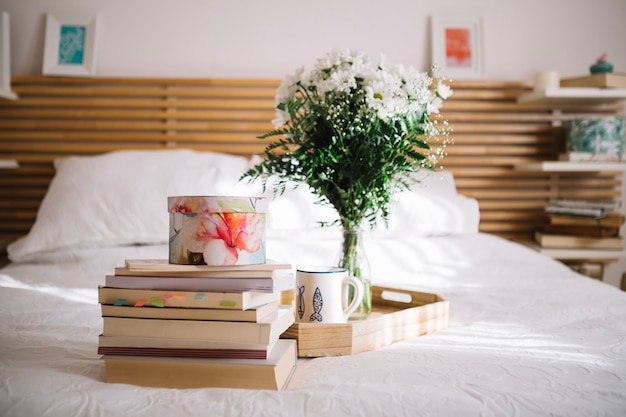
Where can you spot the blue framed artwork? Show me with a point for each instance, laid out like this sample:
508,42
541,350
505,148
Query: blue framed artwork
70,46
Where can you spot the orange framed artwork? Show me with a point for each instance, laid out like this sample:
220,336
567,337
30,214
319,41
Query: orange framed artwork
457,46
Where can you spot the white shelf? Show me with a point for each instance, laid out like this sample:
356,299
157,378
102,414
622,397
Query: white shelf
564,166
568,254
9,164
569,95
8,94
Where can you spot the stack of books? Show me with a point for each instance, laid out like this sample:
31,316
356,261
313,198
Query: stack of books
582,224
602,80
193,326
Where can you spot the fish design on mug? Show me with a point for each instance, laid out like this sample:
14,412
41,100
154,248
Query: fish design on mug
301,301
318,302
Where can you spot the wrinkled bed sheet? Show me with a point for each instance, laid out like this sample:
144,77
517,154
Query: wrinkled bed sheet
526,337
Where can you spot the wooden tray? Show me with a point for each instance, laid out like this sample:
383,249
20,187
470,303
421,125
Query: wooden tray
396,315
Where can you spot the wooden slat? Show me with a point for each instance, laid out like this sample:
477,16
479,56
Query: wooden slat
99,114
72,125
20,140
461,138
59,116
230,93
18,81
141,103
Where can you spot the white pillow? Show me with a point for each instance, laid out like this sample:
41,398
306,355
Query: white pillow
120,198
297,208
431,207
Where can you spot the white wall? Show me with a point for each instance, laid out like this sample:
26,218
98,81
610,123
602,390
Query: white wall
271,38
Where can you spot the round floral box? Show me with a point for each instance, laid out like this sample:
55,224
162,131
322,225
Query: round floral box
217,230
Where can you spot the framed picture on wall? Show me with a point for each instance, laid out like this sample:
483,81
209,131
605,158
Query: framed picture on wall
457,46
70,45
5,58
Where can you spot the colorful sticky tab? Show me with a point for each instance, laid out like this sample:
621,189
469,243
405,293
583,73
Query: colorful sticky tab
228,303
157,302
178,296
167,296
140,303
119,302
199,296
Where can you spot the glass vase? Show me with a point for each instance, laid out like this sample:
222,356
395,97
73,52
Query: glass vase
352,256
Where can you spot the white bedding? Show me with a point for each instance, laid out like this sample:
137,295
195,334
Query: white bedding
526,336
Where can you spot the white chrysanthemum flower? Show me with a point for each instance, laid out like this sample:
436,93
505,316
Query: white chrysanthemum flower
443,90
434,105
288,86
282,118
388,90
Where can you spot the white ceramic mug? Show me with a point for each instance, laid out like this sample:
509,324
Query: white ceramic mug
322,294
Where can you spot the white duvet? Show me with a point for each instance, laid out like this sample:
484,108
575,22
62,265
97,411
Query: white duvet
527,337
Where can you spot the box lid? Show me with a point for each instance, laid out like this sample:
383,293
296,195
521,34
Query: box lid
217,204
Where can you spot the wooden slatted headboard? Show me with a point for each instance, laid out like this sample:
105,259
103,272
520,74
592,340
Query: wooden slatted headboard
57,116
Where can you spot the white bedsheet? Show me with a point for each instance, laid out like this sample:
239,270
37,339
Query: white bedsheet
526,337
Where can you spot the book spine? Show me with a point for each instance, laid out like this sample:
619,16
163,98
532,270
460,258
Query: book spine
187,299
191,284
252,315
189,329
234,274
604,205
577,242
163,343
609,220
167,372
265,331
575,211
163,265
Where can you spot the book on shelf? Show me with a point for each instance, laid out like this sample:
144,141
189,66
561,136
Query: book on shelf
264,331
264,312
576,210
279,281
592,231
154,346
608,205
602,80
240,300
612,219
272,373
559,241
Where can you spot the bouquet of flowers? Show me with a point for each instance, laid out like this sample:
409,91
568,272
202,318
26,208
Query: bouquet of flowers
355,132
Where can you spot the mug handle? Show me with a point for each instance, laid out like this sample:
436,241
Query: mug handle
358,294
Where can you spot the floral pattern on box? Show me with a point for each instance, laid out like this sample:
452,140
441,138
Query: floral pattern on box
215,230
597,136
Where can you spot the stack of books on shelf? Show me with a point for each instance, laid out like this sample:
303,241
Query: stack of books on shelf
582,224
602,80
195,326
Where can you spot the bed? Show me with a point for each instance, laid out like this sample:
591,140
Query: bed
526,336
